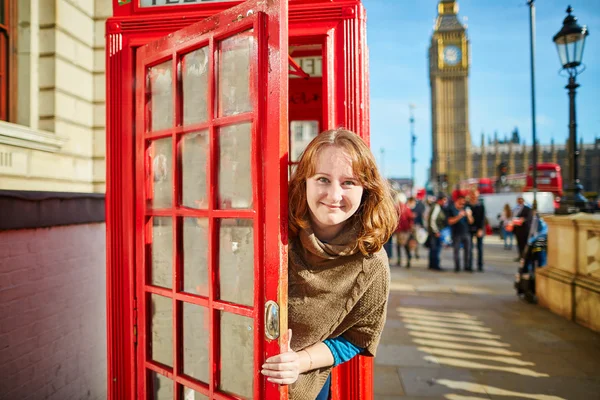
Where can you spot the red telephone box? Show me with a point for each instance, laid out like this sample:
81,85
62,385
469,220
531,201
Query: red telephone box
209,104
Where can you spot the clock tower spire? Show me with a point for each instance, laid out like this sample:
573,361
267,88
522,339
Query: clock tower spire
448,77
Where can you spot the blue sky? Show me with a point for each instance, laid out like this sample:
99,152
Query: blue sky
398,35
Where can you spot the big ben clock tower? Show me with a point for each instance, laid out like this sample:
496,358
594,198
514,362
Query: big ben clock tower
449,80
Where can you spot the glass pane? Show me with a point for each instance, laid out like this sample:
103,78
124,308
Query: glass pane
161,153
235,167
195,86
579,50
233,85
302,132
195,253
237,354
236,261
162,387
161,320
571,52
161,103
189,394
194,160
162,252
196,334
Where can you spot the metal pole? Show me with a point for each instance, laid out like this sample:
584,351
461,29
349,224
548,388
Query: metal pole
413,139
533,130
574,170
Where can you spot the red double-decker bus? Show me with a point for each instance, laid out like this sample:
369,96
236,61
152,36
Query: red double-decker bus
549,179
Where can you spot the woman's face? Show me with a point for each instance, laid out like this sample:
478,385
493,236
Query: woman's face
333,193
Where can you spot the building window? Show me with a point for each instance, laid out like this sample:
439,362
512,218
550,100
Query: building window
302,132
7,59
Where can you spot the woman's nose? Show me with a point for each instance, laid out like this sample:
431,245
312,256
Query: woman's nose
335,193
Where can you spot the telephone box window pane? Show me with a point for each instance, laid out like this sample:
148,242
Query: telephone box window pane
196,334
189,394
162,252
161,103
237,355
195,251
236,261
233,84
235,167
195,84
302,132
161,153
162,387
161,319
194,159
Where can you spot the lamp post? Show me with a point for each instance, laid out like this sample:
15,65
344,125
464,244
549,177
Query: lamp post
413,140
533,131
570,41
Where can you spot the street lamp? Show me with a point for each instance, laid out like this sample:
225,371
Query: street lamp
531,4
569,42
413,140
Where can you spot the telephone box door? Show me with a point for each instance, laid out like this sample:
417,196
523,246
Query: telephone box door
211,223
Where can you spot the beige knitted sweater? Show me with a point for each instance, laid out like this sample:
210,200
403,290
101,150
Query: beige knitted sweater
334,290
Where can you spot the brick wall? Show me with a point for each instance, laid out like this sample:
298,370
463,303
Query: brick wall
53,313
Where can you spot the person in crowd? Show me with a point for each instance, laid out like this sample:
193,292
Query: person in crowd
534,257
477,228
340,215
521,223
506,226
535,253
436,221
460,217
418,210
404,231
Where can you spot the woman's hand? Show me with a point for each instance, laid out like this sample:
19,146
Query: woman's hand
284,368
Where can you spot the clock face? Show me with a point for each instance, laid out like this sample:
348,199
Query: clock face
452,55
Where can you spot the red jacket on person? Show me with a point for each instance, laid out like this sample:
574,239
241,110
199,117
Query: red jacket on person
406,218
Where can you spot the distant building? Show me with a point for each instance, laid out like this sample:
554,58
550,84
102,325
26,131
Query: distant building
449,62
518,156
454,157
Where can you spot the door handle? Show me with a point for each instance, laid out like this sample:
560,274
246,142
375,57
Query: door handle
271,320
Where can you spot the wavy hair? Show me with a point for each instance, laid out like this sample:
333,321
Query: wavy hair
377,214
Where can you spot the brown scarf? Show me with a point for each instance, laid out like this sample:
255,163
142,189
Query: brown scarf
334,290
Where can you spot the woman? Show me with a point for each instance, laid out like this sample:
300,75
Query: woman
340,215
507,227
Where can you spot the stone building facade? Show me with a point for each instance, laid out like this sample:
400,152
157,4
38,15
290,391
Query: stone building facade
53,114
52,243
454,158
518,156
449,82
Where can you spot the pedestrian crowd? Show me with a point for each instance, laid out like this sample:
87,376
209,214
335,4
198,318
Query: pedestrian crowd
461,223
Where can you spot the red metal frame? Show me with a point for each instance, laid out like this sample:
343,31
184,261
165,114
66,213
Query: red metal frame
340,24
172,48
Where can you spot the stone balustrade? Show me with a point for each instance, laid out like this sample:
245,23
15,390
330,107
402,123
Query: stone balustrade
570,284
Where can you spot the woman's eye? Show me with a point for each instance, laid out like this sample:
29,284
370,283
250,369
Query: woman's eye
322,180
349,183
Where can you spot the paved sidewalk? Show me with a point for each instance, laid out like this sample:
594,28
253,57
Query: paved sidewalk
466,336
